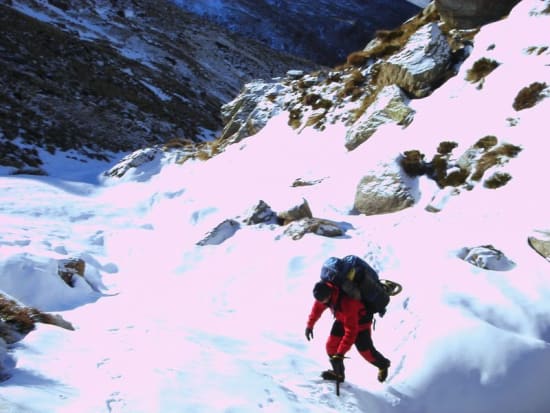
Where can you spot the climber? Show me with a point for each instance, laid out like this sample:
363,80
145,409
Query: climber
352,325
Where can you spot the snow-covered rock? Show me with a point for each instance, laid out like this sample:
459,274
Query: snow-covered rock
249,112
389,106
487,257
540,242
220,233
384,190
423,61
323,227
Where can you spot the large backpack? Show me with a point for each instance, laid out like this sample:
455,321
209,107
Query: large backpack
357,279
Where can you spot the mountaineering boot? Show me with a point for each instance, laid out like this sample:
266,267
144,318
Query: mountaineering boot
337,363
382,374
331,375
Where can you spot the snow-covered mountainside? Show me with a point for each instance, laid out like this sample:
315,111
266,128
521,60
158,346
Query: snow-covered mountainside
324,32
182,279
101,76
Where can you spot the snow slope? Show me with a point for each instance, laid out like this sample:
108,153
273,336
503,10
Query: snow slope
177,327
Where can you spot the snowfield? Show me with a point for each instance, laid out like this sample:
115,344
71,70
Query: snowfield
165,325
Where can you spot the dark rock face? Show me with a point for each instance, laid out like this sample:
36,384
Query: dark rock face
325,31
468,14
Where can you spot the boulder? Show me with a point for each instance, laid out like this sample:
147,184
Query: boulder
220,233
486,257
541,243
469,14
70,268
383,191
259,214
420,65
133,161
324,227
295,213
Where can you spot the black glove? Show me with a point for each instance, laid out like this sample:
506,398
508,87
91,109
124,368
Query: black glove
309,333
337,363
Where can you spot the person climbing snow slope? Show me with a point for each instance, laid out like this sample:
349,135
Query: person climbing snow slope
352,325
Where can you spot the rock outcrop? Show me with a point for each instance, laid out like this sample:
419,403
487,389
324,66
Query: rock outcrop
249,112
468,14
390,106
371,90
420,65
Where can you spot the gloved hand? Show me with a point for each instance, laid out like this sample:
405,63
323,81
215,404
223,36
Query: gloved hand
309,333
337,362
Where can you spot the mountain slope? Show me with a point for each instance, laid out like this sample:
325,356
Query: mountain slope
167,323
103,77
325,32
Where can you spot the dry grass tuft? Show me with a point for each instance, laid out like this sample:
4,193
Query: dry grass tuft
315,120
412,163
316,101
481,69
358,59
370,97
295,118
486,142
17,317
455,178
497,180
446,173
446,147
354,85
529,96
494,157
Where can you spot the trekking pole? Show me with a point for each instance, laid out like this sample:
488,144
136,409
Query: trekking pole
338,386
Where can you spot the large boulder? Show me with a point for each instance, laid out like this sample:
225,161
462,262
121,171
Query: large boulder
469,14
384,190
420,65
